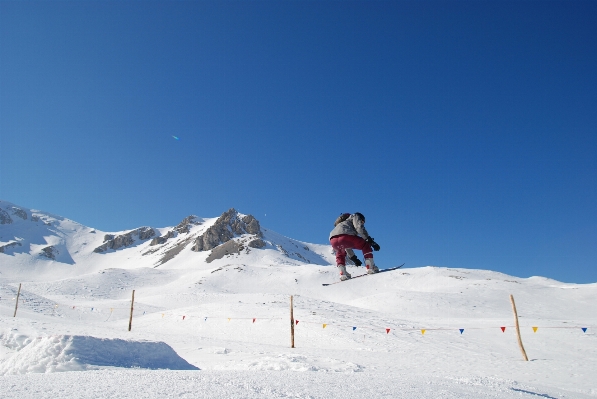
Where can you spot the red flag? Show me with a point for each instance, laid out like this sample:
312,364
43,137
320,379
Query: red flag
296,322
253,320
387,330
183,317
503,329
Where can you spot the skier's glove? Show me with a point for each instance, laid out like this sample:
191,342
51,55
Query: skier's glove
355,260
373,244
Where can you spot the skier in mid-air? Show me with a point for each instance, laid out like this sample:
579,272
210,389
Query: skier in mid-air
350,233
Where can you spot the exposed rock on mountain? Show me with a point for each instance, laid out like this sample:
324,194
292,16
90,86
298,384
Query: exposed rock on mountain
186,224
184,227
231,224
256,243
124,240
19,212
235,247
5,217
172,252
228,225
49,252
228,248
162,239
3,248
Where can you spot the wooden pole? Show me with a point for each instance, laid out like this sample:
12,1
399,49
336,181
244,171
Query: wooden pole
524,354
131,318
291,324
17,301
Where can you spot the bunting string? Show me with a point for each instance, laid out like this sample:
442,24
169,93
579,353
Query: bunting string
33,301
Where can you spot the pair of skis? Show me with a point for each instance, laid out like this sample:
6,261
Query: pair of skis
363,275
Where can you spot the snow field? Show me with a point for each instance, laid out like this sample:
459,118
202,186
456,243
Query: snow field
442,359
70,338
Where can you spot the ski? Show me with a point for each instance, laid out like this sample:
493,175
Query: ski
363,275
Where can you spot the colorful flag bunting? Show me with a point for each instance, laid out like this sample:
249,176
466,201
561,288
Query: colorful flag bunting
503,329
325,325
387,330
461,330
584,329
535,329
423,332
354,328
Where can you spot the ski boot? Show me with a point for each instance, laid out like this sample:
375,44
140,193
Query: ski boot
371,268
344,275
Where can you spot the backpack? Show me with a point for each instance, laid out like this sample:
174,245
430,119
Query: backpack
341,218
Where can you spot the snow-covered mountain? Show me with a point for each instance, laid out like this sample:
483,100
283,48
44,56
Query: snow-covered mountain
33,239
212,301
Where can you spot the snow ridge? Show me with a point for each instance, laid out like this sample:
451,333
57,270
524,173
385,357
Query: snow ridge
81,353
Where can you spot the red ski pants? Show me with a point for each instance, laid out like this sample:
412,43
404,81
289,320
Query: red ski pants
341,242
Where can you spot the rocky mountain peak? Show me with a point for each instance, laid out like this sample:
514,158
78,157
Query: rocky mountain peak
229,225
184,227
186,224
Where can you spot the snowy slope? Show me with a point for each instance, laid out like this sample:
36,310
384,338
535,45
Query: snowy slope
229,318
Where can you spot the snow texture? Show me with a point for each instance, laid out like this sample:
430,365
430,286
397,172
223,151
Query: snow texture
222,329
79,353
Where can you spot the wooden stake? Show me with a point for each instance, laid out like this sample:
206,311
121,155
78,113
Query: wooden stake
131,318
17,301
524,354
291,324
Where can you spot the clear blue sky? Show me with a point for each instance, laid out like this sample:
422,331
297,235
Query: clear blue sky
466,132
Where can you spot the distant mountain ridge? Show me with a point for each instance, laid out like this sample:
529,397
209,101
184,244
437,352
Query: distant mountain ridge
29,236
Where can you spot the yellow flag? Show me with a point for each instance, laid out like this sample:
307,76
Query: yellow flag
325,325
423,332
229,319
535,329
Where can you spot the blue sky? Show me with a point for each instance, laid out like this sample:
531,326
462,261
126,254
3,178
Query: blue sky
466,132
